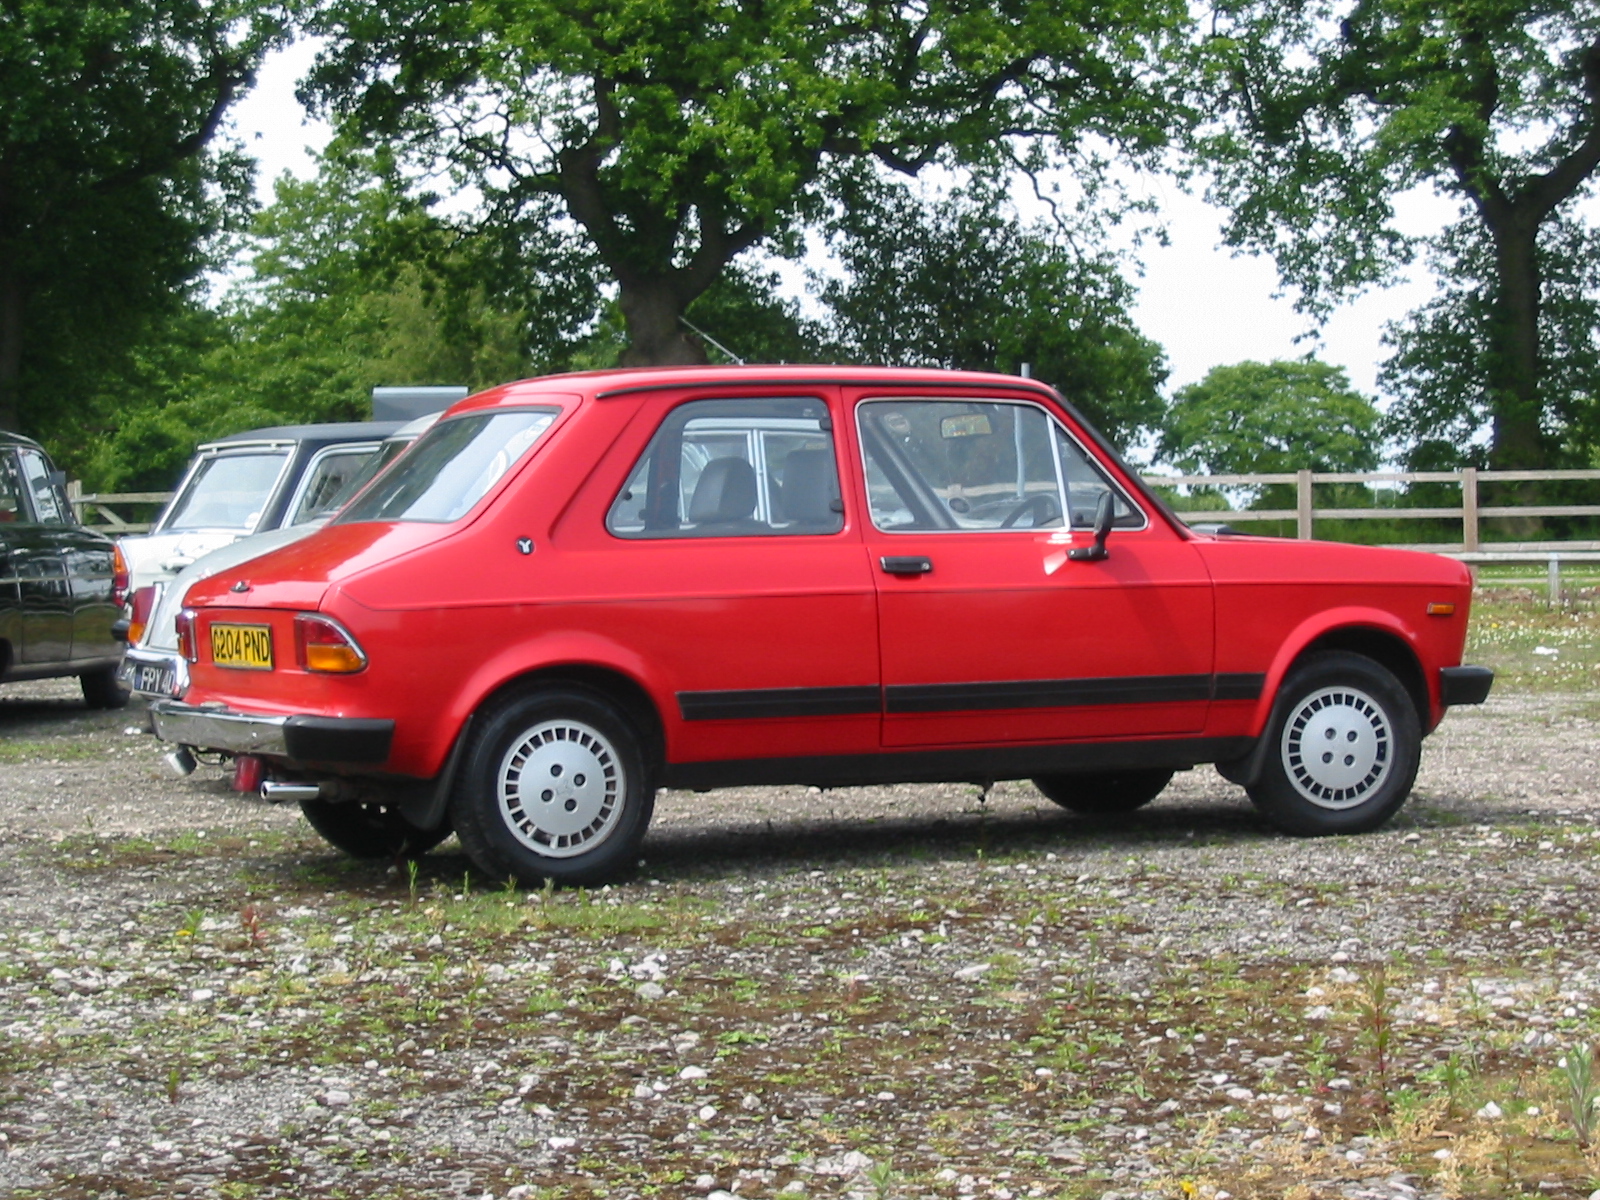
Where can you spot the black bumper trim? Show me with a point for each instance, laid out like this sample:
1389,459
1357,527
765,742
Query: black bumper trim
337,739
1464,685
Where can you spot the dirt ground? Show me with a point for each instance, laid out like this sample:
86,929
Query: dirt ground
901,991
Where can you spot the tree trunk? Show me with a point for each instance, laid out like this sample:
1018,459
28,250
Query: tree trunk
1515,369
1515,366
651,309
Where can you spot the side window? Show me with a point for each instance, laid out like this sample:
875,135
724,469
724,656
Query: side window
326,480
734,468
12,508
972,465
49,501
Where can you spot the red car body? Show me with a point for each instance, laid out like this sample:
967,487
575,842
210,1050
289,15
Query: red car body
873,645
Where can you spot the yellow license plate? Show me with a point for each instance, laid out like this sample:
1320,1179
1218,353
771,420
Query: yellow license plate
248,647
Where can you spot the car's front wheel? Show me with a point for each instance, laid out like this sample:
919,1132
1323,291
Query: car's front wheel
553,787
370,830
1344,748
1104,793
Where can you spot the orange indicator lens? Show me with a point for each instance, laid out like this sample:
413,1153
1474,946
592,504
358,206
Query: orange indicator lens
1441,610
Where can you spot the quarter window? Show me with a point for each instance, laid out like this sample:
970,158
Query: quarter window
12,508
972,465
49,501
734,468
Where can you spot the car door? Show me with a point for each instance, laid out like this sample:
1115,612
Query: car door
44,594
990,631
85,560
739,579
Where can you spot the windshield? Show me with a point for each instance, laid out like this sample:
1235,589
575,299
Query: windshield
451,468
227,491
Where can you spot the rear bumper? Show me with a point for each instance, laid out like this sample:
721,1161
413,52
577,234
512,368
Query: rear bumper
357,741
1464,685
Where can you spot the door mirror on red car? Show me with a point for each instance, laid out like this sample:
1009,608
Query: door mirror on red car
1103,516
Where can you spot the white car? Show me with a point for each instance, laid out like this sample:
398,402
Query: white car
152,665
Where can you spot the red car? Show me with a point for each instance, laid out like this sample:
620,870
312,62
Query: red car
576,590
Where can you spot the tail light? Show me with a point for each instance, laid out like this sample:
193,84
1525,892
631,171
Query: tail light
187,645
140,605
326,646
119,577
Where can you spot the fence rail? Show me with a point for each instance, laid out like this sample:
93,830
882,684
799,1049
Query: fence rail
110,521
1470,512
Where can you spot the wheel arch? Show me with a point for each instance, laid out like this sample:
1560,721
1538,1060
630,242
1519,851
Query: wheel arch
1374,638
616,686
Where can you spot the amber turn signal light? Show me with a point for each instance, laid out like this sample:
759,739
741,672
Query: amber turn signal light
326,646
1441,610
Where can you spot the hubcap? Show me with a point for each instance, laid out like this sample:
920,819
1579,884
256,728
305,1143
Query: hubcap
1337,747
560,788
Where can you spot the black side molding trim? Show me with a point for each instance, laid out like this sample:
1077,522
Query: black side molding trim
966,765
1238,687
1464,685
337,739
1045,693
778,702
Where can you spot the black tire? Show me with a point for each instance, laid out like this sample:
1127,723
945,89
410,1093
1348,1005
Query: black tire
370,830
1104,793
101,689
1344,748
585,819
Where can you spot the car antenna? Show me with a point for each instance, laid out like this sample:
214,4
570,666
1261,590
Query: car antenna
693,328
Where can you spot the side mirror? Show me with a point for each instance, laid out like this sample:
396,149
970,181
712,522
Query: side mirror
1103,515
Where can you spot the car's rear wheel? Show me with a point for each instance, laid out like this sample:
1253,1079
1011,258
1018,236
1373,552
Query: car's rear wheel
102,689
1104,793
1344,748
370,830
553,787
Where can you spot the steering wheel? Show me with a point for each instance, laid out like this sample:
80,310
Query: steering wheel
1042,504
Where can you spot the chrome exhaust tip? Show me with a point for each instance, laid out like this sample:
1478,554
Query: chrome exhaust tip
180,762
277,792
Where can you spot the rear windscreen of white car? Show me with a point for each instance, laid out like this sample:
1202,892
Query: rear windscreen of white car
451,467
229,491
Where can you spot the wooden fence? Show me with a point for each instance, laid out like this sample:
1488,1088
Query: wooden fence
1469,512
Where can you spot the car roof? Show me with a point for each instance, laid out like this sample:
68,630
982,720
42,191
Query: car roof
632,380
7,438
322,434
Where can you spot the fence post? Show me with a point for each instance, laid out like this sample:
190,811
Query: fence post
1302,488
1469,509
74,491
1554,578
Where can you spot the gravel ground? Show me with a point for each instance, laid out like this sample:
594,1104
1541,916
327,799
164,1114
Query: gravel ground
904,991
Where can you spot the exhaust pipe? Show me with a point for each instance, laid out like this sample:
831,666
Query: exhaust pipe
180,762
277,792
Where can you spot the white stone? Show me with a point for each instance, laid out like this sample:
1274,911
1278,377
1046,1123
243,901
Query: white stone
1489,1112
972,972
651,991
707,1113
561,1143
693,1073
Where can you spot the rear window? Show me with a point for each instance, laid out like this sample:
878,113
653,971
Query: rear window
451,468
228,491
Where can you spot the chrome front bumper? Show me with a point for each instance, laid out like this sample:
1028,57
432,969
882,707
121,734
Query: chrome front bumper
358,741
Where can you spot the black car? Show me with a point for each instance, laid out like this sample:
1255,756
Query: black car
56,607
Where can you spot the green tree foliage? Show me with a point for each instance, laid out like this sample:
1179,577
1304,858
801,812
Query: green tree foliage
1332,107
959,283
109,187
1261,418
356,282
680,133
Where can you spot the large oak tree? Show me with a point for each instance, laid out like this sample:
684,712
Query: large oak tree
1334,107
680,133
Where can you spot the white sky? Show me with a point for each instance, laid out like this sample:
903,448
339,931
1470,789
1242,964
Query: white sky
1202,304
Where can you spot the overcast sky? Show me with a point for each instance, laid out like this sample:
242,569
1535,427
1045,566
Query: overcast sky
1202,304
